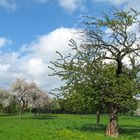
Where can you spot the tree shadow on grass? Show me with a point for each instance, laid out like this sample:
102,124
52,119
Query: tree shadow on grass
130,130
8,115
43,117
91,128
1,132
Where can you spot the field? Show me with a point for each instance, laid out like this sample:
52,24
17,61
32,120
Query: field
65,127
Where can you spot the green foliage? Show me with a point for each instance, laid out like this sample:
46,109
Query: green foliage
118,91
85,71
13,108
79,104
54,106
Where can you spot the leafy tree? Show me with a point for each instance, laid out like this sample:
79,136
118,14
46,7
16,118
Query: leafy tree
110,38
80,71
29,94
116,45
79,104
13,106
54,106
20,87
39,99
5,99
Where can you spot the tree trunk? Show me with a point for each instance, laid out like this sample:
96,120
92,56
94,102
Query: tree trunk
119,68
112,129
35,114
1,111
20,113
98,115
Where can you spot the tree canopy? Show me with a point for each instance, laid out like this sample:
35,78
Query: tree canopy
87,70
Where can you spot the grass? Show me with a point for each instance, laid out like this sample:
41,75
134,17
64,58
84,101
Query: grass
65,127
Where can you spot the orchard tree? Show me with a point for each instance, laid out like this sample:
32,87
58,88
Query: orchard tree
39,98
28,93
35,97
109,39
114,36
79,104
21,88
5,100
80,71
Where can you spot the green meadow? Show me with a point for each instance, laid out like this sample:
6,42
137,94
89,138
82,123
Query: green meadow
65,127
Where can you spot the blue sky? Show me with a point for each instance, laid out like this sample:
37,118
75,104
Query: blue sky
31,18
32,30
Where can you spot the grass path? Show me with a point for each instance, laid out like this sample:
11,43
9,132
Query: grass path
65,127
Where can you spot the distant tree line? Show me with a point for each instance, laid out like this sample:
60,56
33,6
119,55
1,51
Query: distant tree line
28,97
24,96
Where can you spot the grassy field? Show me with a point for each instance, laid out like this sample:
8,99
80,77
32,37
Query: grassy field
65,127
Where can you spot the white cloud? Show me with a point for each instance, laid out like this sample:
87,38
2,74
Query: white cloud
135,4
35,67
72,5
127,4
4,42
9,68
4,68
8,4
113,2
45,46
69,5
42,51
32,61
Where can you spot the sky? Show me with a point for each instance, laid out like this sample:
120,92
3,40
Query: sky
31,31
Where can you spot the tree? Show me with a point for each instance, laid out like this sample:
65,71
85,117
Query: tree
21,88
79,104
29,94
54,106
80,70
39,99
13,106
119,92
5,100
110,38
116,45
